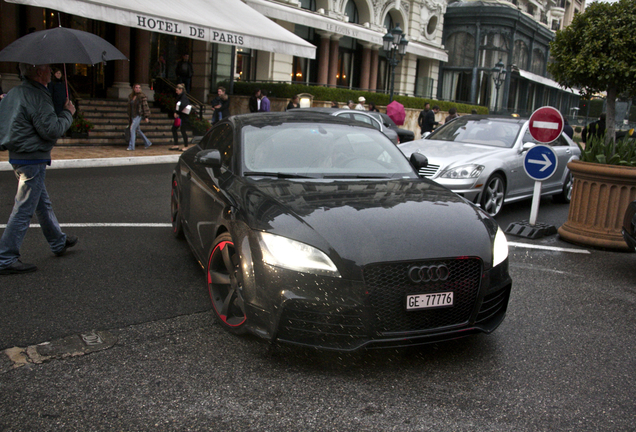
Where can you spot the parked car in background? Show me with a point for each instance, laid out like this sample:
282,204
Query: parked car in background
404,135
629,225
315,230
361,116
481,158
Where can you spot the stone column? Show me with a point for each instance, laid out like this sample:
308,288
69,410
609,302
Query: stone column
9,33
201,53
121,85
373,74
365,69
142,62
323,58
333,60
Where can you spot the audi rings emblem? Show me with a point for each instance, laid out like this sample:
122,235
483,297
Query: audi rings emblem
432,273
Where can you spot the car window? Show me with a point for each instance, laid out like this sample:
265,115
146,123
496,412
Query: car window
487,131
322,150
221,139
388,122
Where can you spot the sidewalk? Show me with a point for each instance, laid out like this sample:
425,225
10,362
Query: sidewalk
93,156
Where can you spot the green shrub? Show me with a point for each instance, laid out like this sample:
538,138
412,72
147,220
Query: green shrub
199,126
342,95
80,124
578,129
623,153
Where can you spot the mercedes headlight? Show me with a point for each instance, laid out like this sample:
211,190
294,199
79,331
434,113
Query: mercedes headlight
293,255
463,172
500,248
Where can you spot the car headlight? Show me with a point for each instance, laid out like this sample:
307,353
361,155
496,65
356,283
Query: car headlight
290,254
499,248
463,172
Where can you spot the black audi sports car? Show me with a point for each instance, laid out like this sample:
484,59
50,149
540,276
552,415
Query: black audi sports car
317,231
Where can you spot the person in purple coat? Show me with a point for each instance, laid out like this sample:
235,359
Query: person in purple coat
265,107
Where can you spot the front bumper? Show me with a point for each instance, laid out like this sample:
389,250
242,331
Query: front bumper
344,315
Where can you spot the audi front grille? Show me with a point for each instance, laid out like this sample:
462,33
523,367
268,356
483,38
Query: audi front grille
389,284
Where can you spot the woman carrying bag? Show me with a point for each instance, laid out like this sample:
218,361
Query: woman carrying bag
181,118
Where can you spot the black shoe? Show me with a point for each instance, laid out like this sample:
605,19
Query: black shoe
18,267
70,242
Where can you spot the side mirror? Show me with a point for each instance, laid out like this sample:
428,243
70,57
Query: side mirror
209,158
418,161
527,146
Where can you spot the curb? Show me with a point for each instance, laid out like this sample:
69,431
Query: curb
103,162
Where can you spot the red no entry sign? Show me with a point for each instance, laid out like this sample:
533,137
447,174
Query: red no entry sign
546,124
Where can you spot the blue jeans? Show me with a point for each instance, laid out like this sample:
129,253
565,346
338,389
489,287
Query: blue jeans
134,128
31,197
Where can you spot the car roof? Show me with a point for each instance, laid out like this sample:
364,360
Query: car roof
301,115
504,118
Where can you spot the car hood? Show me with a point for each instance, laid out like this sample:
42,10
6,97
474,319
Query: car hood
444,153
361,221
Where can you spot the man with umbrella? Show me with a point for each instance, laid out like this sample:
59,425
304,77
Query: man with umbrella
29,128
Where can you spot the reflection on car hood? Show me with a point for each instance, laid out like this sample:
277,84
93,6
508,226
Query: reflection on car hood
365,221
445,152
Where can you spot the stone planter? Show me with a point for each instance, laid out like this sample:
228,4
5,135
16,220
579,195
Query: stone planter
600,195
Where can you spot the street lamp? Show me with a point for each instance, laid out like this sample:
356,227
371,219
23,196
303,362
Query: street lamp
499,77
394,44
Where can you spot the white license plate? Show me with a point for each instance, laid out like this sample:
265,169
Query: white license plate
426,301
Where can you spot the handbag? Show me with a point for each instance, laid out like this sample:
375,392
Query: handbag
177,122
186,110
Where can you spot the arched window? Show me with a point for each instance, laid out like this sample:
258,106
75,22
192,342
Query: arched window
461,49
520,55
351,10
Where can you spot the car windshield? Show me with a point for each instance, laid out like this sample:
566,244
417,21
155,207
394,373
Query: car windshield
489,132
321,150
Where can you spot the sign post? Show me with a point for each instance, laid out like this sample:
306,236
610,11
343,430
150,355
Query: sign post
540,163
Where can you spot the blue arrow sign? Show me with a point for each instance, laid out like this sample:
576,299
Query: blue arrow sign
540,162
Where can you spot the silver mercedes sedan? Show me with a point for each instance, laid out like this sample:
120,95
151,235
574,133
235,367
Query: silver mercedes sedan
481,159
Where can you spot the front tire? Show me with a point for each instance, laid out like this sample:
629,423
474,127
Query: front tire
225,284
492,198
566,194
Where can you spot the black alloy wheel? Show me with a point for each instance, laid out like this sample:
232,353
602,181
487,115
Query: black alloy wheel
175,210
492,198
225,284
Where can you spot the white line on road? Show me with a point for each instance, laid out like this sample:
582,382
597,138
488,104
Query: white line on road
109,225
167,225
550,248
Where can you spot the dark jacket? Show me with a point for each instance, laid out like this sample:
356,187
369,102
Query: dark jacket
595,129
29,127
253,104
184,69
426,121
184,103
58,94
223,111
138,106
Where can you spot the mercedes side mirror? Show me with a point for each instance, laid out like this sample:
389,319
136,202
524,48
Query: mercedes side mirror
209,158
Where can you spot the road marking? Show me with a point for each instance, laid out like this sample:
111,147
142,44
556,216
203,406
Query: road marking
109,225
550,248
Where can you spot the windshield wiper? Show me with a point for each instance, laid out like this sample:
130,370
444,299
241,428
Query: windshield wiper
358,176
274,174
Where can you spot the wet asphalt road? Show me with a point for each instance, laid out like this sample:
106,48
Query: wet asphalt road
564,358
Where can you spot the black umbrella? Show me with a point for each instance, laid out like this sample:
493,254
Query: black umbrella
60,45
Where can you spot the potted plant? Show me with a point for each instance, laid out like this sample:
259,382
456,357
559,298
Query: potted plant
199,126
80,126
604,183
595,54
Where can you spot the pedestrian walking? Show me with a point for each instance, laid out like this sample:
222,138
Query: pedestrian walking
182,119
426,119
138,110
221,105
29,128
265,104
185,71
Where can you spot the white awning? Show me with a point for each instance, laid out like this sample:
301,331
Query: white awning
319,21
545,81
229,22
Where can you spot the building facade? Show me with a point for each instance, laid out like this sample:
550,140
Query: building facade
479,35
